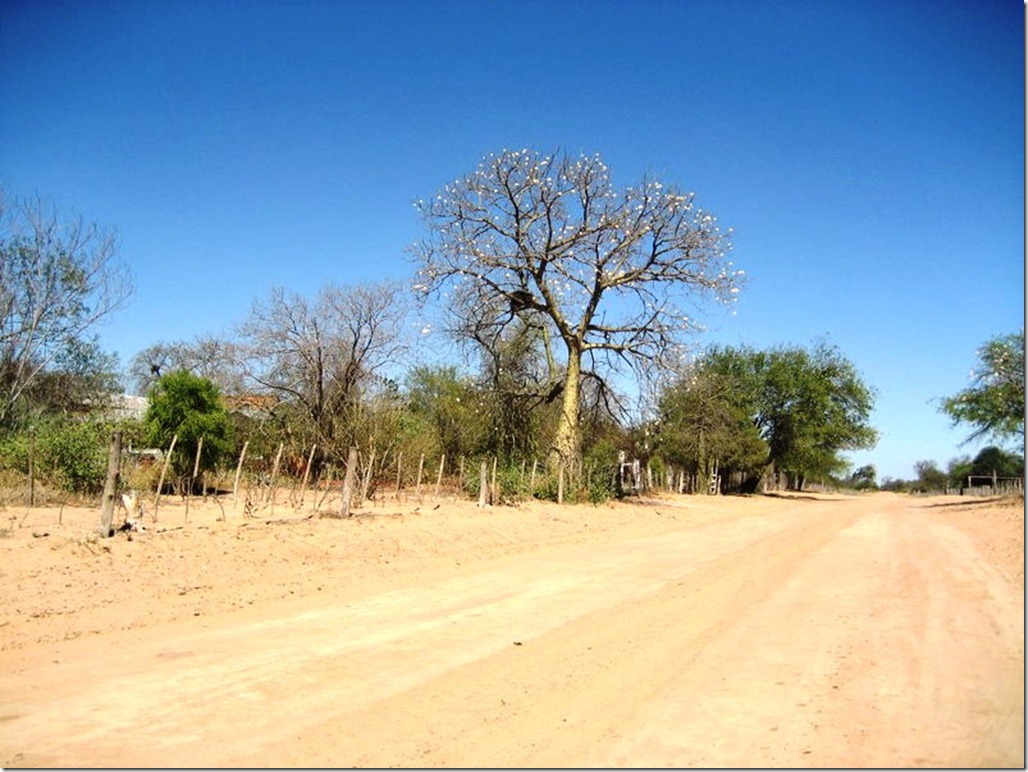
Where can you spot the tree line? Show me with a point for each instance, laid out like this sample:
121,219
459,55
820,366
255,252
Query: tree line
556,288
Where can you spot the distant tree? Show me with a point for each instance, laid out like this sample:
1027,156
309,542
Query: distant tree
321,357
993,460
957,471
704,419
808,406
930,479
58,281
605,272
864,478
451,405
994,404
82,377
895,486
190,407
216,359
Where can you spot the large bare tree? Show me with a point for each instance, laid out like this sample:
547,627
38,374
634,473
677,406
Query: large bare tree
59,279
323,356
208,356
614,274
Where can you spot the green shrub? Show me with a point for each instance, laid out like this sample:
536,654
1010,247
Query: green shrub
74,456
14,453
512,481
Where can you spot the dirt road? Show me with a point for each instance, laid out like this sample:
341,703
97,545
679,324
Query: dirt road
864,631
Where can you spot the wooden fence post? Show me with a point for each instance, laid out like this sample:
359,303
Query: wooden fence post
274,477
239,470
307,473
164,470
111,485
32,466
494,497
367,477
329,479
192,479
417,486
439,476
351,471
483,482
399,470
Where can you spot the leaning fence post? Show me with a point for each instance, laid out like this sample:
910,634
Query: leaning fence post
367,477
164,470
307,474
399,473
483,482
274,477
192,479
439,476
417,486
239,470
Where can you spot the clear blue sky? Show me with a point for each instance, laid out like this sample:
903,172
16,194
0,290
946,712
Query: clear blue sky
869,155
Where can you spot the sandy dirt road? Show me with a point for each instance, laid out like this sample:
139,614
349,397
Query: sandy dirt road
805,632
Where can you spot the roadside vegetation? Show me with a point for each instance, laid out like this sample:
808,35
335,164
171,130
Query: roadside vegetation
560,299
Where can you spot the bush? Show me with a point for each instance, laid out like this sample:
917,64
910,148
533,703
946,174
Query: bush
602,477
70,455
77,454
596,484
511,480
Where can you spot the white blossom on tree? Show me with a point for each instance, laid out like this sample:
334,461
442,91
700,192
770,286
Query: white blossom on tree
616,274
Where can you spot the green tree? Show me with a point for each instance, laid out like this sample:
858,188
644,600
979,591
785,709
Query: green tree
704,420
864,478
957,471
190,407
993,460
606,272
82,376
994,403
450,405
930,479
58,280
808,406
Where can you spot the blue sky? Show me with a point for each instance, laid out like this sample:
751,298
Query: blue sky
868,155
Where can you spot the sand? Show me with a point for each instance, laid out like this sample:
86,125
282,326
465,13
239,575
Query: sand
803,630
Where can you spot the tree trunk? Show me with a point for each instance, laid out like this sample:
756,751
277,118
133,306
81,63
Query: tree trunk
566,442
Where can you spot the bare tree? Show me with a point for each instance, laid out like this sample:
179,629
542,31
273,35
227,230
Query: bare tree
608,272
58,281
208,356
322,356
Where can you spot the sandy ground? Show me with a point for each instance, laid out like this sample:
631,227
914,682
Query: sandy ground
790,631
